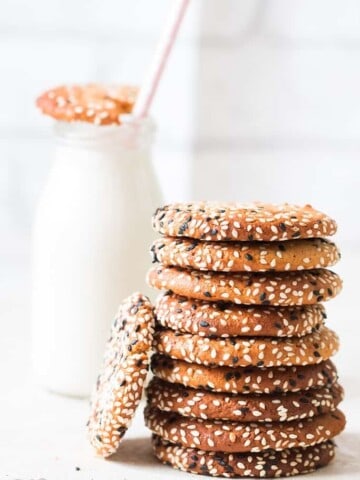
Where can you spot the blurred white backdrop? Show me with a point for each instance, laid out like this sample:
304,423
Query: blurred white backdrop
277,110
259,100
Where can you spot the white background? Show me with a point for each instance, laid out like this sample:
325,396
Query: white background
260,101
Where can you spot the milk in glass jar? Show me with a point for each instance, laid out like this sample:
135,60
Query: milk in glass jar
92,230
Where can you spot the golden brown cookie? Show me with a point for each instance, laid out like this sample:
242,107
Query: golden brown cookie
266,464
92,103
281,407
120,384
242,222
227,436
222,319
245,351
244,379
269,288
245,256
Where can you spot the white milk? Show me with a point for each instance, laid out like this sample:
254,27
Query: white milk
90,248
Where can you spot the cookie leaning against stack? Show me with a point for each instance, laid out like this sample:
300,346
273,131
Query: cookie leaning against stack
244,384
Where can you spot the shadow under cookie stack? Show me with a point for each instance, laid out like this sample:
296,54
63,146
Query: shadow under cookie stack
243,383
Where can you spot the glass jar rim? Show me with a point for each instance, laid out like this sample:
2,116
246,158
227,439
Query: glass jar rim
132,131
84,129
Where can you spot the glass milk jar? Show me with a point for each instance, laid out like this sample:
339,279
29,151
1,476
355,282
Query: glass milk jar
90,246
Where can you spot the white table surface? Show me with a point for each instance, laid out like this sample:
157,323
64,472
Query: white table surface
42,435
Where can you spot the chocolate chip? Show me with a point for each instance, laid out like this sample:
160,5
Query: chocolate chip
184,226
121,431
203,323
154,258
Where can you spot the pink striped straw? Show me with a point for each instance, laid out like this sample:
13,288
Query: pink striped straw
148,90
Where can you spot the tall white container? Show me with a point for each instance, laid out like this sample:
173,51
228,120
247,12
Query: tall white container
90,246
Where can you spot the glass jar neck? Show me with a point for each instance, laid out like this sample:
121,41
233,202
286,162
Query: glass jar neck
132,134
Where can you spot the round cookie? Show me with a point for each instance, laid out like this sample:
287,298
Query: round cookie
245,256
222,319
244,379
91,103
226,436
120,384
280,289
258,221
245,351
266,464
190,402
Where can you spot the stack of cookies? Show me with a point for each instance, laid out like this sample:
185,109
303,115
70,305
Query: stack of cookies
243,382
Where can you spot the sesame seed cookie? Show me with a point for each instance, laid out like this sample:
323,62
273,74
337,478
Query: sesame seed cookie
92,103
222,319
242,221
244,379
228,436
191,402
120,384
268,288
266,464
245,256
245,351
